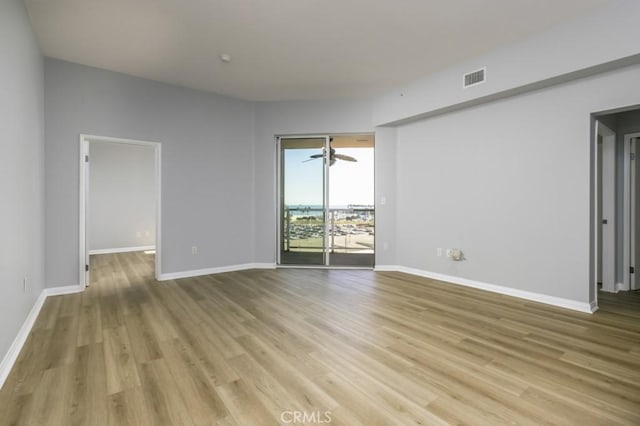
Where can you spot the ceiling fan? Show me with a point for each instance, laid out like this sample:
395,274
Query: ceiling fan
333,156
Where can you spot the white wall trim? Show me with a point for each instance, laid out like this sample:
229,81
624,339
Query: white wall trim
263,266
622,287
58,291
14,350
386,268
121,250
522,294
217,270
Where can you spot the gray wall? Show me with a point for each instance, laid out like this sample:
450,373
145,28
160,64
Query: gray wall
507,182
207,164
122,200
294,118
21,170
386,195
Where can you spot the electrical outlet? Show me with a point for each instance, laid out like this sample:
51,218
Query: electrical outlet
138,234
194,250
455,254
385,246
439,251
147,233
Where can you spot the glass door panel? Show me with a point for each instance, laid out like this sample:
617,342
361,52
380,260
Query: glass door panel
302,201
351,201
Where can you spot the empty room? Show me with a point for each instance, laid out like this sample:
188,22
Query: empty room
319,213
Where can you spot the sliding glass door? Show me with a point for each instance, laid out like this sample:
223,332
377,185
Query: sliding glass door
326,201
351,198
302,201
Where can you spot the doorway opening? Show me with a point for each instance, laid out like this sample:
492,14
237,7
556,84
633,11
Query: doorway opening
119,200
326,201
616,203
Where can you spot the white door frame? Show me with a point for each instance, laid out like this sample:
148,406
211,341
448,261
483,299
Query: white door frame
607,197
84,199
629,222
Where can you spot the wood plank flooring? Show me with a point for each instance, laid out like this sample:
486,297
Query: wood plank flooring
316,346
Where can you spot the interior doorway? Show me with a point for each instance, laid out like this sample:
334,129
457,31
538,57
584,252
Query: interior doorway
326,201
616,202
120,191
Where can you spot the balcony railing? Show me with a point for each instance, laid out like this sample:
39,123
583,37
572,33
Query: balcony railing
350,230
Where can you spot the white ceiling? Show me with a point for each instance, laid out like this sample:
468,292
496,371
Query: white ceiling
287,49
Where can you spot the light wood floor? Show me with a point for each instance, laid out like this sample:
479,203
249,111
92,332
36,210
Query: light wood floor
369,348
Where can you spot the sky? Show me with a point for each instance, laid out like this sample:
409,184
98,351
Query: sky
350,183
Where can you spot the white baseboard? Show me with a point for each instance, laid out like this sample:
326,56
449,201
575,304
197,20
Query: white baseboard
121,250
58,291
263,266
218,270
14,350
386,268
522,294
621,287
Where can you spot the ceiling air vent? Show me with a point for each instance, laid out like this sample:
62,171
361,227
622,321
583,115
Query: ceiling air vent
474,77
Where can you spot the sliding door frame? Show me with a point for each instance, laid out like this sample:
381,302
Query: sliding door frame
280,194
279,191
